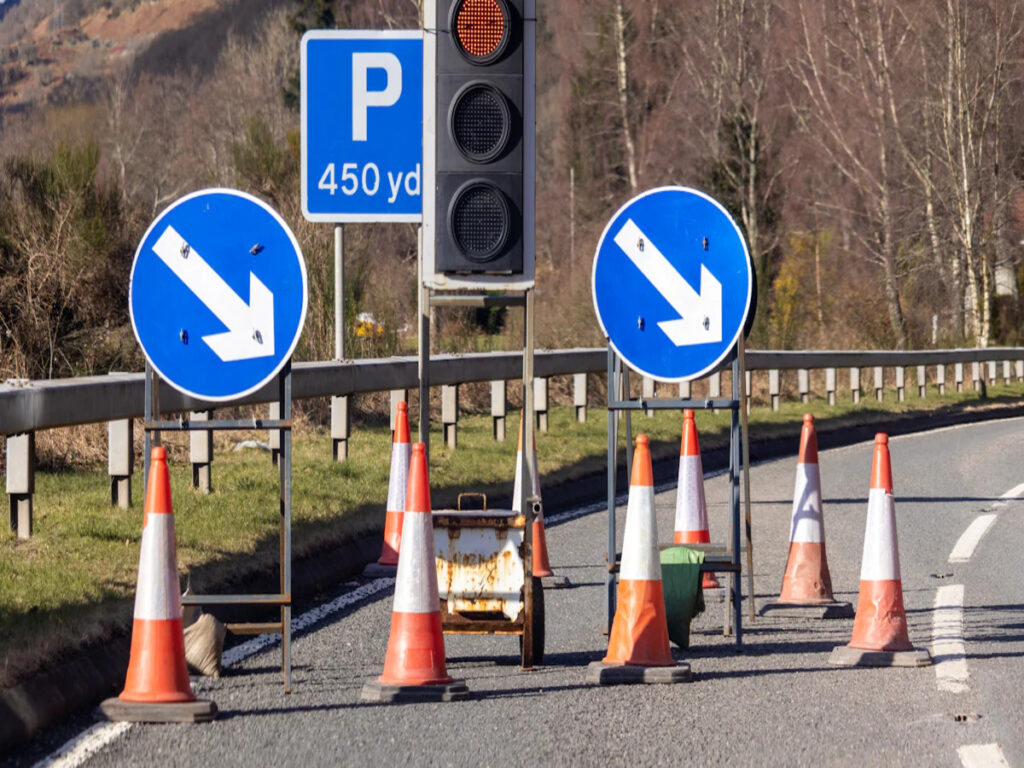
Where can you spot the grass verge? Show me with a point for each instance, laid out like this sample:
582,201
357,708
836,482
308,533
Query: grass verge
73,582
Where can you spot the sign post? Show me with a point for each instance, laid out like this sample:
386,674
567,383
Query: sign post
362,153
217,301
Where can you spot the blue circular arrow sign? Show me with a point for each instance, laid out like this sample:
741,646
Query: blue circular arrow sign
218,294
672,283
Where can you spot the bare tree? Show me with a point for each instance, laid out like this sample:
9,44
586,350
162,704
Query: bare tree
840,67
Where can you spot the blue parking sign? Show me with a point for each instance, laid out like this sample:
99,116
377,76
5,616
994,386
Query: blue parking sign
672,283
362,125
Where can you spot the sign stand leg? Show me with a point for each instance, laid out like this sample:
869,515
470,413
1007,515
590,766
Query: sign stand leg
527,471
613,460
741,357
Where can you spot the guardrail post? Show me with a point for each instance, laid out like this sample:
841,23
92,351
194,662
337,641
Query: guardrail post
749,380
120,461
450,413
901,383
803,380
540,403
922,382
685,390
855,384
715,386
647,393
200,451
991,371
976,380
958,376
579,396
1020,370
339,429
21,481
774,390
397,396
940,378
879,383
1006,371
499,408
830,385
274,435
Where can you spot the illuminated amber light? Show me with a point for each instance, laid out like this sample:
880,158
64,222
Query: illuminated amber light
480,27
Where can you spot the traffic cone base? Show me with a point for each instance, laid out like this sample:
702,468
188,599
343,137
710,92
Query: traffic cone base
157,687
600,673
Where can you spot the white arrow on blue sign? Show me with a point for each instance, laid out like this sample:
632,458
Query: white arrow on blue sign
672,283
218,294
362,125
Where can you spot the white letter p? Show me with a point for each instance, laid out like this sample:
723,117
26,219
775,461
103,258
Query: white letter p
362,97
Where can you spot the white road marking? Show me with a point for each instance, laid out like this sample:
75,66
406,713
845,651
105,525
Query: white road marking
1015,492
982,756
969,539
78,750
86,744
948,639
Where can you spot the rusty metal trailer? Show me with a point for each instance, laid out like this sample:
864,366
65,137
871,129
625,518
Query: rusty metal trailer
485,576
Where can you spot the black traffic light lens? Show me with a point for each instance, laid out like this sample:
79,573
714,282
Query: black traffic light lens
480,122
479,220
481,28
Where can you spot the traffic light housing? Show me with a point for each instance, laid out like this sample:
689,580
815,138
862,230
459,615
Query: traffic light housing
480,195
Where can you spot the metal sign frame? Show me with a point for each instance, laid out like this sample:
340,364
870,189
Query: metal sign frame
154,426
618,385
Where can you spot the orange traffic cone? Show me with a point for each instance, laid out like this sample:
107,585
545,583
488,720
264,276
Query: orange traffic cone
414,667
880,636
691,509
397,482
638,650
541,564
157,688
807,584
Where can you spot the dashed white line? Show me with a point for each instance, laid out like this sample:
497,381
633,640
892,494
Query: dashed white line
969,539
948,648
92,741
982,756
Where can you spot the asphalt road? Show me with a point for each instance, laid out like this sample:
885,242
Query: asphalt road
777,702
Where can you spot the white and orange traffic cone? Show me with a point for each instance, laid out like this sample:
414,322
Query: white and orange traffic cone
691,509
541,564
157,687
880,637
414,667
398,480
807,583
638,649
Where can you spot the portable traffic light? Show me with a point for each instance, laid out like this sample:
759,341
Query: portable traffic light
480,193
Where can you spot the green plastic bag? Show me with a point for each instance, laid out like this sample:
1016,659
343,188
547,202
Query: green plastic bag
681,583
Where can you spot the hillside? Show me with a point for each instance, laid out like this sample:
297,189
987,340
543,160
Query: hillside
61,57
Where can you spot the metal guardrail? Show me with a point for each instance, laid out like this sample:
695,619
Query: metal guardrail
36,405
